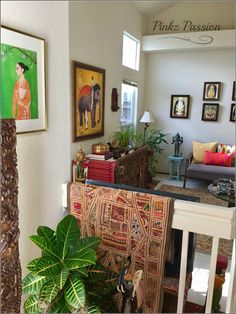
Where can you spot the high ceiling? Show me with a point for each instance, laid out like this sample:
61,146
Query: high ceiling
151,8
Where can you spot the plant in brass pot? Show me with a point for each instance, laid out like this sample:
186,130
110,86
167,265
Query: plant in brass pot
124,137
66,278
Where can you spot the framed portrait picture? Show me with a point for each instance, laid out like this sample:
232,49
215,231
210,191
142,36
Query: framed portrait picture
23,80
211,91
233,93
210,112
88,101
232,113
179,106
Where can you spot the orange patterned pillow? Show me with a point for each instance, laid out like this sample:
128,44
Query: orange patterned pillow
218,159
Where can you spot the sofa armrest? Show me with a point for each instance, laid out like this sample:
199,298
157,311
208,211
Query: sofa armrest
189,158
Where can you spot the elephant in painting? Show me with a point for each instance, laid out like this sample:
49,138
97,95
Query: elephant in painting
87,103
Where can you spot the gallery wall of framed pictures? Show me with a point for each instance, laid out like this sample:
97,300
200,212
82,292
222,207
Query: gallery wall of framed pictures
179,105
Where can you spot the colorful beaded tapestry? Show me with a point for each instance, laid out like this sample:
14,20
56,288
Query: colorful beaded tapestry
129,223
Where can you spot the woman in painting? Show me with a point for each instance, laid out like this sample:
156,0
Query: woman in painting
21,95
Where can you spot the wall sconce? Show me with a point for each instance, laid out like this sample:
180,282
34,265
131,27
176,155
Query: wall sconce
114,100
146,118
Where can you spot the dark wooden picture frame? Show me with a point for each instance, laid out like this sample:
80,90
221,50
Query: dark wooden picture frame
179,106
88,101
210,112
211,91
232,113
233,93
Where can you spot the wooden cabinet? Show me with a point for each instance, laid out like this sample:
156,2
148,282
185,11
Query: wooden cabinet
131,169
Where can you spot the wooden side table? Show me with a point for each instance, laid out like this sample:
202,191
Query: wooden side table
175,167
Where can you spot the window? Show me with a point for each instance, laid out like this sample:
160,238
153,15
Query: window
131,51
129,99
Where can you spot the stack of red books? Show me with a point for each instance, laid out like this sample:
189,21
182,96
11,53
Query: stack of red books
101,170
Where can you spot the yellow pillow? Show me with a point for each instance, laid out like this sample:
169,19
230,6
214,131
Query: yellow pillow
199,150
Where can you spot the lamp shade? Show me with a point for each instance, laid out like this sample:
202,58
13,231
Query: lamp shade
147,117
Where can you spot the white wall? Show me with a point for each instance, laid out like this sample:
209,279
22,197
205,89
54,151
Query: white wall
188,14
185,73
96,30
43,158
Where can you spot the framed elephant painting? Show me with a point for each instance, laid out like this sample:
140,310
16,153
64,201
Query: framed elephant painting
88,101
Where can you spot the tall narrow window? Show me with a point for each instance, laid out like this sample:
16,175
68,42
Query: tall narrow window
131,51
129,99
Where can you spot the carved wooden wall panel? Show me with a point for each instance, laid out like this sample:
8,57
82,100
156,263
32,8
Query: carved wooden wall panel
10,262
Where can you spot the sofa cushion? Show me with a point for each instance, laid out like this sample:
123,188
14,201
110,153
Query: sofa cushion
199,150
218,159
209,172
224,148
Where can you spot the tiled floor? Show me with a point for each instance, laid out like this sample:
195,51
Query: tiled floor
197,293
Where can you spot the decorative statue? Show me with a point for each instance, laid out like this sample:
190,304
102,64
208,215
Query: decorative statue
114,100
131,289
80,158
177,140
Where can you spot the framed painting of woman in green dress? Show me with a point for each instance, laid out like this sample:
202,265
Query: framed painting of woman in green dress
23,80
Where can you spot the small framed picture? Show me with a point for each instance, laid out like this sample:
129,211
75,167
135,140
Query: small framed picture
210,112
233,94
211,91
179,106
232,113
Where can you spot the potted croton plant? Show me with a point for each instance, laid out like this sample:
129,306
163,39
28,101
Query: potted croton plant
67,278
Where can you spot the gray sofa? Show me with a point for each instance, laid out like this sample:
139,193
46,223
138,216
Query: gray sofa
206,172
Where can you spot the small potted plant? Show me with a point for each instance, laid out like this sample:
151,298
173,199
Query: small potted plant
66,278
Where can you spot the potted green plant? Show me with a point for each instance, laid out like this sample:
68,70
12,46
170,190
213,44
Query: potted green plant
125,136
154,140
66,278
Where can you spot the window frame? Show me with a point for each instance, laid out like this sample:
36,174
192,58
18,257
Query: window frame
137,51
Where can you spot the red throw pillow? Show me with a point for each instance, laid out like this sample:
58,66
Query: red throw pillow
217,159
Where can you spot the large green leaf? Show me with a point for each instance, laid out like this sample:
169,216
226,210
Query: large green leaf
60,306
47,233
47,266
32,283
32,264
92,309
86,243
44,244
81,259
74,292
60,280
49,291
31,305
67,232
98,272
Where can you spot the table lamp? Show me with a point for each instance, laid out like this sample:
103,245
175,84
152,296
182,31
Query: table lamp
146,118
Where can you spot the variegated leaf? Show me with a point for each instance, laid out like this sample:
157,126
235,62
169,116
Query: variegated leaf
32,283
49,291
74,292
47,233
81,259
32,264
31,304
67,232
60,280
44,244
86,243
47,266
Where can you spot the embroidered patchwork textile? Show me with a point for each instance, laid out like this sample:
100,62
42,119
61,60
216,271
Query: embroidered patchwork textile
129,223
